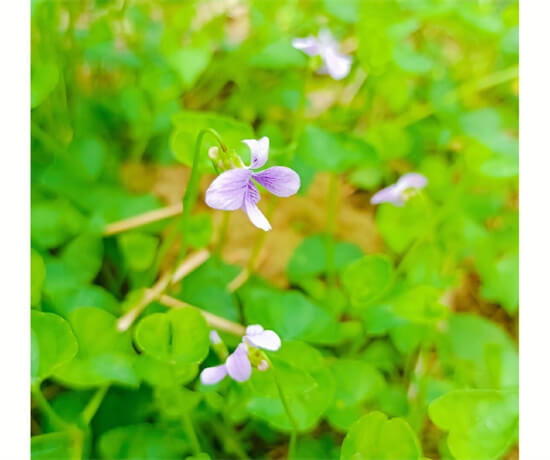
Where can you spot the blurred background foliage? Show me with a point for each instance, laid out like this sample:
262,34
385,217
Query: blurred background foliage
399,336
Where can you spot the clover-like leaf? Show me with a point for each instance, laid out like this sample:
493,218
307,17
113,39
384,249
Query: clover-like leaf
179,336
375,437
53,344
367,278
482,424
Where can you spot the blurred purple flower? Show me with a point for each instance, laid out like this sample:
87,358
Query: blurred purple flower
395,193
238,365
234,189
336,64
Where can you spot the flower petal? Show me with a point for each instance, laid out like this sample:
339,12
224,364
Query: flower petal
227,191
259,151
279,180
238,365
254,329
309,45
412,180
256,216
268,340
337,65
212,375
391,194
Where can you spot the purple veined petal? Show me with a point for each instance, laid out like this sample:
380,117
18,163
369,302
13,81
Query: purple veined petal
259,151
213,375
254,329
227,191
412,180
268,340
238,365
309,45
256,216
337,65
279,180
390,194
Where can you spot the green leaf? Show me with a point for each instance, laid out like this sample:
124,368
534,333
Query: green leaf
138,249
345,10
290,314
159,373
83,256
66,445
278,55
44,79
375,437
309,258
54,222
38,275
53,344
199,230
187,126
143,441
179,336
482,424
420,305
84,296
190,63
411,61
356,381
368,278
479,352
500,281
326,151
105,355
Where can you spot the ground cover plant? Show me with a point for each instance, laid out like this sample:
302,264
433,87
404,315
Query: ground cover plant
274,229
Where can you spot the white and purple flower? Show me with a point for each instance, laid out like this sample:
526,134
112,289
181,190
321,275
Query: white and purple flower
399,192
238,364
336,64
234,189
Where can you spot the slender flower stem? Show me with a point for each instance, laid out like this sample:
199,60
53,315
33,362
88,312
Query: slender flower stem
93,405
284,401
222,236
190,431
245,273
192,191
332,218
44,405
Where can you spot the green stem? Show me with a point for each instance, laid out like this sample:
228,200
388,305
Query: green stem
332,218
192,191
190,430
93,405
223,233
46,408
294,432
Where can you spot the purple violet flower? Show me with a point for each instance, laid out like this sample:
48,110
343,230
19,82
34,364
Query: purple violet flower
238,365
234,189
396,193
336,64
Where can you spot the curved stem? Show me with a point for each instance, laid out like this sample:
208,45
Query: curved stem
190,431
44,405
192,191
284,401
93,405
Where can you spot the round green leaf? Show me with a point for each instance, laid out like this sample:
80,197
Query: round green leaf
53,344
38,275
375,437
367,278
179,336
482,424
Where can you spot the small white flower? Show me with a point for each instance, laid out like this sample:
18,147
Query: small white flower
336,64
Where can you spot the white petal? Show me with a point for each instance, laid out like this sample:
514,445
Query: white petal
254,214
238,365
337,65
309,45
254,329
259,151
212,375
227,191
268,340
